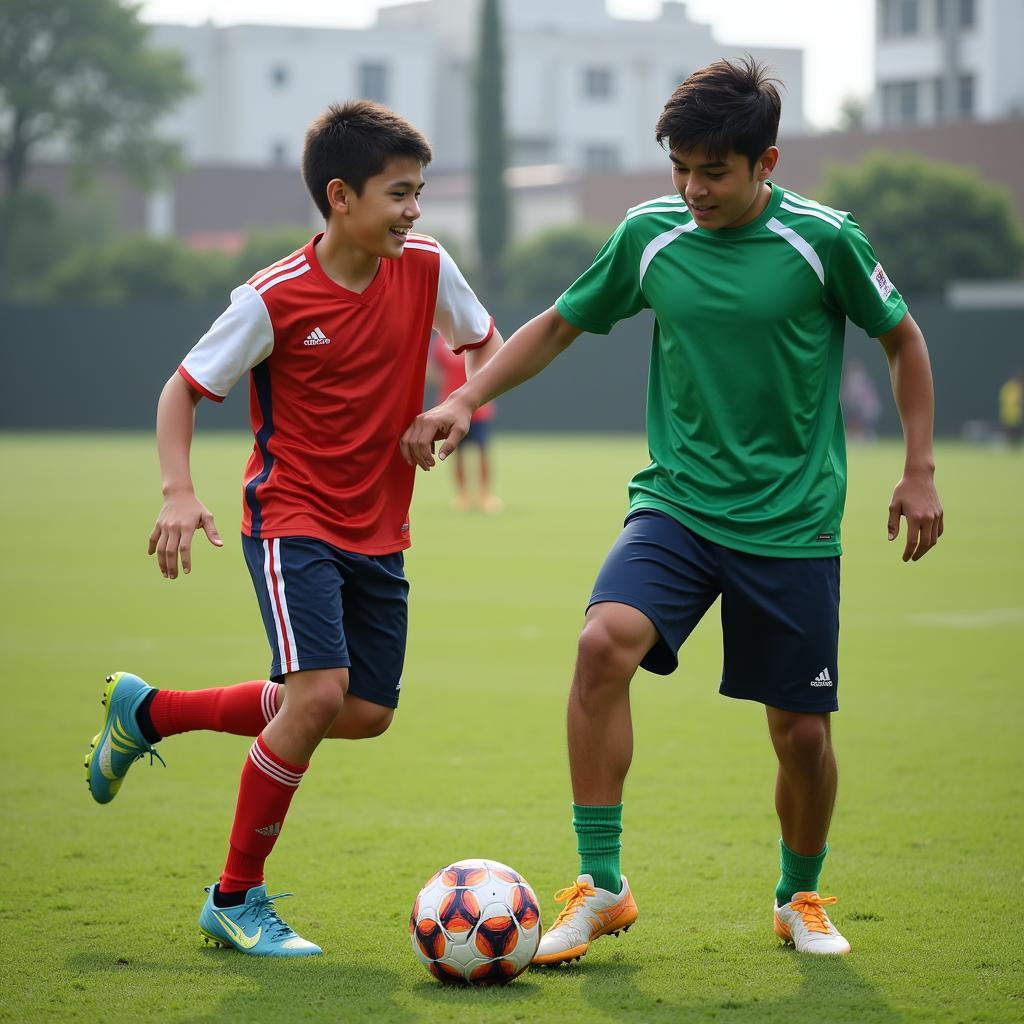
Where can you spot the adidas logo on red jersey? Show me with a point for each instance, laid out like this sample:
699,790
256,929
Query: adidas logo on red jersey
317,337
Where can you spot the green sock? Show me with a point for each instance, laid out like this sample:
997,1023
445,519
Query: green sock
799,873
597,836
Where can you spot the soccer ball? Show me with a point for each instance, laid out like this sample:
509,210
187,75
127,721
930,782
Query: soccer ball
475,922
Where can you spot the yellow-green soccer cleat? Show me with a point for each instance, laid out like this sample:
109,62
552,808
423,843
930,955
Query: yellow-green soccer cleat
588,914
804,924
253,927
120,743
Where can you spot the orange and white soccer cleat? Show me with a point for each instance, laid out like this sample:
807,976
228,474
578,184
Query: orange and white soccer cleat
588,914
804,924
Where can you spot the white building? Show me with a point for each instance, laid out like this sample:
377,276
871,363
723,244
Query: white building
258,86
583,89
939,60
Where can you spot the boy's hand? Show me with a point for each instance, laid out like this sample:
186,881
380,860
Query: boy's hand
179,519
446,422
916,499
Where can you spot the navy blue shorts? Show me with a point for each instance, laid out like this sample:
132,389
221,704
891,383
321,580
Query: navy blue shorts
327,608
780,616
479,433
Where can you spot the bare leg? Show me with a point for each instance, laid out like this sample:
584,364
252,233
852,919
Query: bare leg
614,641
312,701
805,787
358,719
488,501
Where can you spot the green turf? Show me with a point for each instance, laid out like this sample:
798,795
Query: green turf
100,903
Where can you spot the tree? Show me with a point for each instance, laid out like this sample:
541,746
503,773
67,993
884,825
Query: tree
492,203
853,113
80,73
929,222
540,269
140,269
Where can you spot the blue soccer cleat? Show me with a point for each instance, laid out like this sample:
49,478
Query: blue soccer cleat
120,743
253,927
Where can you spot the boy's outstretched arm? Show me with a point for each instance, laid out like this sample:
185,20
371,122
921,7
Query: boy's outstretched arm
183,513
523,356
915,497
477,358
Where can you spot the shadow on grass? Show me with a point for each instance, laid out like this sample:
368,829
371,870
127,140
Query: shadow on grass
830,989
271,989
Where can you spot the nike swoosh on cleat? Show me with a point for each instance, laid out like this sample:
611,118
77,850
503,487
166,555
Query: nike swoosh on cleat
237,934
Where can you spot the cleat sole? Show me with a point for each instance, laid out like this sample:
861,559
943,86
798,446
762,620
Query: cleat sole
213,940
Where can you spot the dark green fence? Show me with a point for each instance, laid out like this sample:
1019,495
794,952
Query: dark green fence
95,368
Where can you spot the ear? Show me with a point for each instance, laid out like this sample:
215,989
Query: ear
766,163
339,195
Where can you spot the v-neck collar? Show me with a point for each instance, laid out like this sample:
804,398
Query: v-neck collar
366,296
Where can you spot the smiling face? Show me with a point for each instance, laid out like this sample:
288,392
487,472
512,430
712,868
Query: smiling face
723,192
377,221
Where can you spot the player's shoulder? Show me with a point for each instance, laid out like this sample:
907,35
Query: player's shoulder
803,214
646,221
421,247
290,268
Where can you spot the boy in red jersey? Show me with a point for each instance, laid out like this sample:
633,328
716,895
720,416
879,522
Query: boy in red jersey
334,338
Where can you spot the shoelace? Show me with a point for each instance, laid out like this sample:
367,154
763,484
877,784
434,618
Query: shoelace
262,910
809,907
572,896
152,751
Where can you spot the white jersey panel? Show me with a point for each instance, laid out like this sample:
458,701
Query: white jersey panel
458,315
239,338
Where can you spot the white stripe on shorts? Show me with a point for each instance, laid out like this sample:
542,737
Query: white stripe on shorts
274,574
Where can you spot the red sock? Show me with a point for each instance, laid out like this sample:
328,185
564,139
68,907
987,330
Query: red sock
244,709
267,787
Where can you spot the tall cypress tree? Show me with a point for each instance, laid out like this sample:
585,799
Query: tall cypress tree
492,201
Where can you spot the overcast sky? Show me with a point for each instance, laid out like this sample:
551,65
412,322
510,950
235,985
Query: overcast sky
836,35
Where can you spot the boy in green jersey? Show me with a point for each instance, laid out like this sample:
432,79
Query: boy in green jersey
751,285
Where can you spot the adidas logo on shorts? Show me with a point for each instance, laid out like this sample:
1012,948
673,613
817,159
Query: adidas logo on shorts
822,678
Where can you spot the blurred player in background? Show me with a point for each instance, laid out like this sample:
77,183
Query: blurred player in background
751,285
1011,408
334,341
448,371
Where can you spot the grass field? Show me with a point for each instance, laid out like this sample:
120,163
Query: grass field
100,903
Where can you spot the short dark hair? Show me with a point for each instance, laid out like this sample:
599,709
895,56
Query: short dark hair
725,106
353,141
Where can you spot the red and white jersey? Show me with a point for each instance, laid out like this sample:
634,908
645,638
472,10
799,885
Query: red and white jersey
335,377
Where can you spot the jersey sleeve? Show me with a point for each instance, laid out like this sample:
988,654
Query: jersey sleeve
856,284
458,315
239,338
609,291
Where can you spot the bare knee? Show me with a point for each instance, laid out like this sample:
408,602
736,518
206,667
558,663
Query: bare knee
316,699
361,720
611,646
375,723
801,738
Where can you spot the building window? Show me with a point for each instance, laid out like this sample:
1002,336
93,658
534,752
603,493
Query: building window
900,17
598,83
966,13
373,81
965,95
900,103
601,156
279,76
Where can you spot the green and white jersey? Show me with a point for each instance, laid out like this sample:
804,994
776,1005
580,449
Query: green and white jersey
744,426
